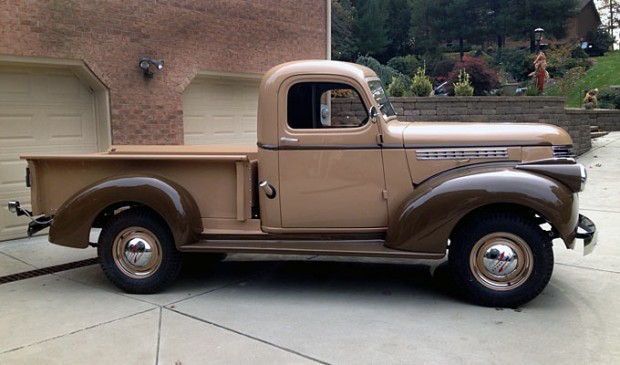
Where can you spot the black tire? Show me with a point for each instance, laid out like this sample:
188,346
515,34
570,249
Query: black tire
500,259
137,252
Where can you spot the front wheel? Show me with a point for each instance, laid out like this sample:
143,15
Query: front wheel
137,252
501,260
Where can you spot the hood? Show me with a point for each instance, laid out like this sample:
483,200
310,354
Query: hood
420,135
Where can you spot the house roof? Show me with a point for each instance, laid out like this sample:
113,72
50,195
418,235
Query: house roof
582,4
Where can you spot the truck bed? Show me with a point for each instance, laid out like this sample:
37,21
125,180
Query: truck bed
222,179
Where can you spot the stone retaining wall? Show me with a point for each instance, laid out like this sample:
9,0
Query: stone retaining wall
606,119
520,109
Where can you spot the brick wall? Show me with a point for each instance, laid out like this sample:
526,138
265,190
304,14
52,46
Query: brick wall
520,109
242,36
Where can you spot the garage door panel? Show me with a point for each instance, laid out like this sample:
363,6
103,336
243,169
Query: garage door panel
220,111
17,128
66,89
12,226
15,85
13,175
71,128
41,111
54,126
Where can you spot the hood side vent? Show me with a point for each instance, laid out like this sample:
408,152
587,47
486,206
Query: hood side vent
563,151
461,153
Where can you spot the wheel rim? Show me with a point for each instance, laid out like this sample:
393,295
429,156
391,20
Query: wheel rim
137,252
501,261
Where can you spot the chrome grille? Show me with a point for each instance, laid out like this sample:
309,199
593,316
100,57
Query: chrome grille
461,153
563,151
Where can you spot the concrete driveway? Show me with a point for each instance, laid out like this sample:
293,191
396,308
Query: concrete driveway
309,309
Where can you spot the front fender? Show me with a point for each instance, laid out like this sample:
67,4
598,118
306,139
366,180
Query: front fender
72,222
433,210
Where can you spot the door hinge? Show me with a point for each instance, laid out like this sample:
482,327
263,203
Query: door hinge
385,194
380,138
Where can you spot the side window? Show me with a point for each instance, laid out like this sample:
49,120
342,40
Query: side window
313,105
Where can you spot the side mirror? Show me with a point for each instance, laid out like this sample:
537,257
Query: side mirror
373,114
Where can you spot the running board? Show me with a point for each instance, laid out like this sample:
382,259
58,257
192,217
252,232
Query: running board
369,248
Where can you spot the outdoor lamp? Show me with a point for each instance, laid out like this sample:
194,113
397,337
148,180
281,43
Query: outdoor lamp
146,63
538,34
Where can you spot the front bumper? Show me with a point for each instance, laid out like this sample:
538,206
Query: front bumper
586,230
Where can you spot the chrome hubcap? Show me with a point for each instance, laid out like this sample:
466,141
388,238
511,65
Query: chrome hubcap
137,252
501,261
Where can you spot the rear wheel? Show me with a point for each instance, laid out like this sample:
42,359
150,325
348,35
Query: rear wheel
501,260
137,252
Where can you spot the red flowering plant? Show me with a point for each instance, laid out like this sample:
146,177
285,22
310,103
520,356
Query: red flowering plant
481,76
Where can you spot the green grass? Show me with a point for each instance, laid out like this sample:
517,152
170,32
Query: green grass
605,72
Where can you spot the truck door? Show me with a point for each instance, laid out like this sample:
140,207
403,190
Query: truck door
330,164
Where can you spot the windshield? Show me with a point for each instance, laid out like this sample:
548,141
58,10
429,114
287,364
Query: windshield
379,94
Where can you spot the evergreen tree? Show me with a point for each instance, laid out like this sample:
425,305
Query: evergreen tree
399,15
610,16
371,28
523,16
344,16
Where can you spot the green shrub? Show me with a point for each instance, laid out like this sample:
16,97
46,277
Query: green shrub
531,90
609,99
463,86
385,73
578,52
406,65
515,62
443,68
399,85
421,85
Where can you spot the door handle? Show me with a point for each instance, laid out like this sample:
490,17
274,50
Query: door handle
288,140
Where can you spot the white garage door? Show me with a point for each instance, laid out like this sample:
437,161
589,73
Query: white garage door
42,110
220,110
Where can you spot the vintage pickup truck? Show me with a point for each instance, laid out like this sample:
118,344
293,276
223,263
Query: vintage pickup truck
334,172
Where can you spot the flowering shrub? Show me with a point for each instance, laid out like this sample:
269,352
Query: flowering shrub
561,60
482,78
570,79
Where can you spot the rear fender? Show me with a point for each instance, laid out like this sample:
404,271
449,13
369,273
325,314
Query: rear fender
74,219
434,209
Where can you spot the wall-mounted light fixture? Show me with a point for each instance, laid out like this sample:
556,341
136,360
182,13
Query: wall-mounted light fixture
146,63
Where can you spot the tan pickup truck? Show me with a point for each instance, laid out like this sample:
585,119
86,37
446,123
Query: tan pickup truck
334,172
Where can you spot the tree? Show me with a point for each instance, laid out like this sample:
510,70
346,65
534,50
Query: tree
610,14
422,37
461,20
370,28
399,15
523,16
601,41
344,45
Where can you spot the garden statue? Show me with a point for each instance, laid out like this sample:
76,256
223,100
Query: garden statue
590,102
540,71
